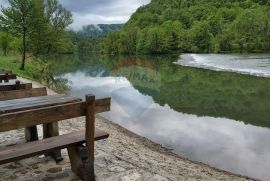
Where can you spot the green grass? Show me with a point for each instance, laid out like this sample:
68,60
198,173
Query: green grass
12,63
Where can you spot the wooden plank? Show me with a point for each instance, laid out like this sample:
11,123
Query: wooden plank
22,119
7,76
90,125
18,152
12,86
10,106
19,94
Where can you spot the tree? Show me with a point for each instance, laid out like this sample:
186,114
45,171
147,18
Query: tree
251,30
171,31
18,20
50,37
41,26
128,41
155,42
15,45
201,37
5,42
111,43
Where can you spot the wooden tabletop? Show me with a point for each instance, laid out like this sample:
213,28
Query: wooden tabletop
15,105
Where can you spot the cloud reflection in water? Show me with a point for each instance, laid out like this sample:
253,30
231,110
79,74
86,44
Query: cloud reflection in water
224,143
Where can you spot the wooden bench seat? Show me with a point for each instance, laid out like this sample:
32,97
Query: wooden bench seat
22,151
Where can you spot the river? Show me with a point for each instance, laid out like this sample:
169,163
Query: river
216,117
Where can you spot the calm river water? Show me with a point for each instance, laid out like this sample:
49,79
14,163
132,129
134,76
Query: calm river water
215,117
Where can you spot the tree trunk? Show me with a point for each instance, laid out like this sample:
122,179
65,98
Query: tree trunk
24,50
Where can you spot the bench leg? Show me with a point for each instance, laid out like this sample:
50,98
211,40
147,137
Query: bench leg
81,163
50,130
31,134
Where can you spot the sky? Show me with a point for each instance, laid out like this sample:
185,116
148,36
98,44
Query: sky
87,12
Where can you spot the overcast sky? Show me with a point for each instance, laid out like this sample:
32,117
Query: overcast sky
99,11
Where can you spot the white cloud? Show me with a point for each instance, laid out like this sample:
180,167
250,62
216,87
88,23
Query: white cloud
80,20
101,11
87,12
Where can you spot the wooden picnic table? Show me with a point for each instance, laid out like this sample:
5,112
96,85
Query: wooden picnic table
49,130
6,76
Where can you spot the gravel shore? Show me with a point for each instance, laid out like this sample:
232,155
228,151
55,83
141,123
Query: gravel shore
124,156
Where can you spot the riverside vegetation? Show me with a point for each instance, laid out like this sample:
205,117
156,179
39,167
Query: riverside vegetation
166,26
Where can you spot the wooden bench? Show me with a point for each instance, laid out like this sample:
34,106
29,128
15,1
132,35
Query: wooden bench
15,86
31,133
13,105
81,157
6,76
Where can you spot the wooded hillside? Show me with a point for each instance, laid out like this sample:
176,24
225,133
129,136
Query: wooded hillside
164,26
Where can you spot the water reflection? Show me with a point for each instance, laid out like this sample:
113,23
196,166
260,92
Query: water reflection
203,115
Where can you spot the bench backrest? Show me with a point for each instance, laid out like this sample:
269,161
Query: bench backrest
17,86
7,76
19,94
88,108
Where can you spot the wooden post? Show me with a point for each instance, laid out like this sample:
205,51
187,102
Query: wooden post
6,77
31,134
82,158
90,125
17,85
50,130
80,162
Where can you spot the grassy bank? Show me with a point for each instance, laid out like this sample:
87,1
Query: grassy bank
12,63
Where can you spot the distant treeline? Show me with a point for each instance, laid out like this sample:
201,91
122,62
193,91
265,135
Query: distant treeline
166,26
89,37
98,30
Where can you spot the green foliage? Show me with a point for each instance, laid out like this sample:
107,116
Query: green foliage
4,40
12,63
9,43
38,27
49,37
88,40
17,19
166,26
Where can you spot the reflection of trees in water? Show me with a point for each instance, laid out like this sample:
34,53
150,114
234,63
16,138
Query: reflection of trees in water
96,71
55,67
60,85
184,89
199,91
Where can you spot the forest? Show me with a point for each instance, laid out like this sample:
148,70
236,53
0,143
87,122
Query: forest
199,26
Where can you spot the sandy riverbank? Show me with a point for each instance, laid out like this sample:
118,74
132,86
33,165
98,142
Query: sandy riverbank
124,156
